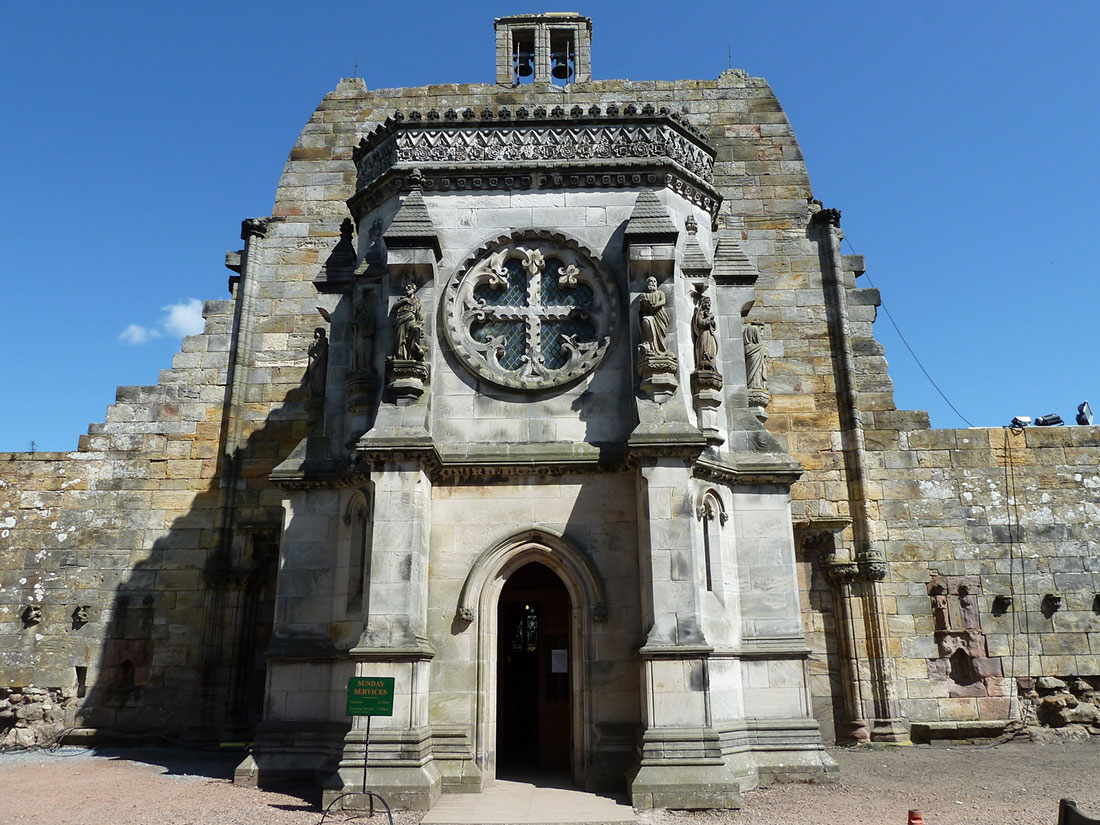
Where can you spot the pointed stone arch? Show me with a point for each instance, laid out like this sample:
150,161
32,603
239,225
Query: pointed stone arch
581,578
477,606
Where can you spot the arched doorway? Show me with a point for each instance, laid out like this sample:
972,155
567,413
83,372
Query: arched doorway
534,684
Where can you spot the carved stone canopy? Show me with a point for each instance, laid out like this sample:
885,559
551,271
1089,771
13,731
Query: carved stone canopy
530,311
628,146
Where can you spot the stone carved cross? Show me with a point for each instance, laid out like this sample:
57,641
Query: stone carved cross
534,312
530,313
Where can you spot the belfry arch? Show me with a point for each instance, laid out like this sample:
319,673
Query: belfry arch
478,608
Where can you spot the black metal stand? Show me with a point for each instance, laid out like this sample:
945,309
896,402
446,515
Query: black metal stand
371,796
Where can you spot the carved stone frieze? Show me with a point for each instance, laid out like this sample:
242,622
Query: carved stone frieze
506,152
601,138
531,311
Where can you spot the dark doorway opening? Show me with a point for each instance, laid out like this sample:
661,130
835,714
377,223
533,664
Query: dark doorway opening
534,698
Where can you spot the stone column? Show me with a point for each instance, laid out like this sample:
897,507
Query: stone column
887,725
681,758
842,575
216,637
394,643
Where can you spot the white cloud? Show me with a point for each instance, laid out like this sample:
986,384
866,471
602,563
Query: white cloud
184,318
137,334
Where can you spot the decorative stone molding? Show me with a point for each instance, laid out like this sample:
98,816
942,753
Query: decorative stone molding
826,217
556,150
405,379
658,374
710,510
253,227
841,572
578,573
532,311
872,569
780,471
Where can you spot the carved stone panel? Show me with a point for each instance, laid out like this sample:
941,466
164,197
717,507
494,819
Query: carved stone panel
530,312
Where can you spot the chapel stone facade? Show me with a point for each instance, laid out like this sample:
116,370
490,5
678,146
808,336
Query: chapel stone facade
555,400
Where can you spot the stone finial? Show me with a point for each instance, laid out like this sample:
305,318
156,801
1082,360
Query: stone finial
695,263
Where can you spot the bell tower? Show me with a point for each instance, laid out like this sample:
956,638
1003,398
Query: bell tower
554,47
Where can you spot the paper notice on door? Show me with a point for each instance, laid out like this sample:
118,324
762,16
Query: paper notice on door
559,661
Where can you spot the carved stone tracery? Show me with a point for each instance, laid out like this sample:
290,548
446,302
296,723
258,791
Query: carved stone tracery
530,313
541,142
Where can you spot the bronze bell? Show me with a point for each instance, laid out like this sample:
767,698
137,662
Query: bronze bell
524,60
561,69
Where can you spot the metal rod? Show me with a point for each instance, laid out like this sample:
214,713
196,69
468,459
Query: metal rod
366,753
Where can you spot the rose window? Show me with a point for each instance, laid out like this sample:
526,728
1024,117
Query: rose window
530,313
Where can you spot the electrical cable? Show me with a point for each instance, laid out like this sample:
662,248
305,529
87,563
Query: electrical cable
911,352
1019,543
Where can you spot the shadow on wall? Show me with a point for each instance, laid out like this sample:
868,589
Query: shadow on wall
183,654
826,663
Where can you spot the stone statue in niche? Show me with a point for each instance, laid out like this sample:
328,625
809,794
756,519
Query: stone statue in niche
704,327
657,366
408,326
374,249
362,332
756,375
406,370
653,320
706,381
317,369
968,605
938,593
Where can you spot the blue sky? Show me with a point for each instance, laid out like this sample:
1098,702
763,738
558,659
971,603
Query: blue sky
959,139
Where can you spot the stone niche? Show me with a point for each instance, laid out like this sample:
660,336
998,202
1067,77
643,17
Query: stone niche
963,664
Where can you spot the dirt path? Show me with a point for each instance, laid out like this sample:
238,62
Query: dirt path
1013,783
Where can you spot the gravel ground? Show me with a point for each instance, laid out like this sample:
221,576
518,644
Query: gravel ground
1018,782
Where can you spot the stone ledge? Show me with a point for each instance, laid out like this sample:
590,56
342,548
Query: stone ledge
924,732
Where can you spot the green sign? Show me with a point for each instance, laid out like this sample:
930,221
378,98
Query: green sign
370,696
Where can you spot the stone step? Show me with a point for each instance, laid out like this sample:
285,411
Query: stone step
526,803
